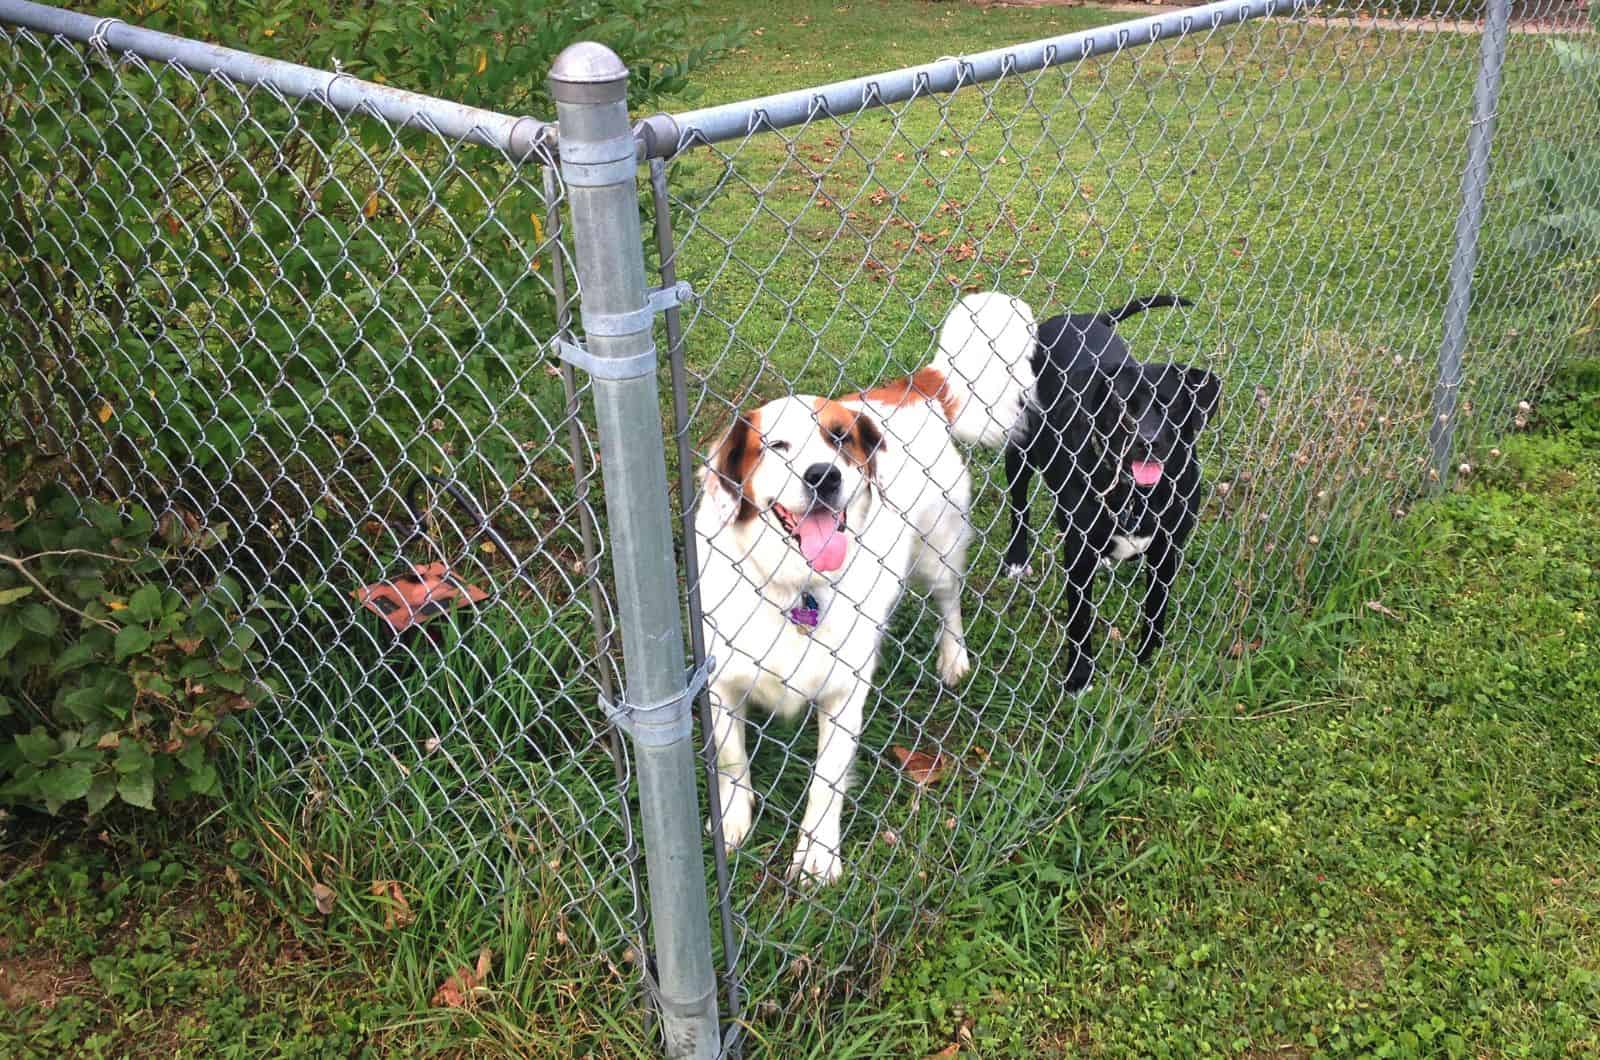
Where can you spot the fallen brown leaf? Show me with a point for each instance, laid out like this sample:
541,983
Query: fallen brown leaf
1240,647
1377,605
397,911
953,1049
461,989
923,768
323,895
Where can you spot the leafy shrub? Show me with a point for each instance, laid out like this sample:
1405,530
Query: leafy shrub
1566,176
113,683
204,283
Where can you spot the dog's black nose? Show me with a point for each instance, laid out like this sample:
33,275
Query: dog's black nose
823,479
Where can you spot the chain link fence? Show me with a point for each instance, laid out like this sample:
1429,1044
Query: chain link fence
309,323
1299,181
328,328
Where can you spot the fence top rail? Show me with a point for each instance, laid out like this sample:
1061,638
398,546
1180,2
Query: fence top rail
667,134
520,138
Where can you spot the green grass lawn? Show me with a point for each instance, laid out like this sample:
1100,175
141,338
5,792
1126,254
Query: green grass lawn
1382,841
1299,183
1358,837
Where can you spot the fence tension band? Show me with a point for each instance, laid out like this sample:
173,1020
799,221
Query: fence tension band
597,165
612,325
662,723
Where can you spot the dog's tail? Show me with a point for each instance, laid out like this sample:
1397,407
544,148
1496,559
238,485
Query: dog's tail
985,361
1139,305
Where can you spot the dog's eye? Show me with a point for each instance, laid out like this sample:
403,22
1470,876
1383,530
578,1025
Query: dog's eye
779,447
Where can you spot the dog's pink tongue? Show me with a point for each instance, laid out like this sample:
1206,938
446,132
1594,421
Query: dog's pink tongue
822,543
1146,472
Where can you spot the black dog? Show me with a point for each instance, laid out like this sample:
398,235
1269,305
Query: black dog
1115,440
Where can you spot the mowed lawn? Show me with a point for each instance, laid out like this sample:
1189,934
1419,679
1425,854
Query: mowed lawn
1299,183
1377,836
1381,842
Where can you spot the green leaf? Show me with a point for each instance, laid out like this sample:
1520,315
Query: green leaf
86,704
145,604
131,641
37,618
133,758
79,654
138,789
11,596
37,746
64,783
10,633
106,519
204,780
229,682
101,791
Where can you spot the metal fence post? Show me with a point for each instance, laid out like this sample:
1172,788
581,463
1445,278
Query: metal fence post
1474,180
600,168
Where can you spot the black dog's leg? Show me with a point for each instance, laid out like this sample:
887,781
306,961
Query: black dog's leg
1082,562
1019,475
1160,572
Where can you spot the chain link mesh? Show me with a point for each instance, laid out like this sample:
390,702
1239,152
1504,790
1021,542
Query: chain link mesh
1299,181
323,344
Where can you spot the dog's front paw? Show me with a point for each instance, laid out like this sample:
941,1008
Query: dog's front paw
1148,649
738,817
954,663
1080,679
1018,571
815,863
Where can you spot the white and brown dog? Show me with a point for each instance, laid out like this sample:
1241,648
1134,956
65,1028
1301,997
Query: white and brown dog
816,515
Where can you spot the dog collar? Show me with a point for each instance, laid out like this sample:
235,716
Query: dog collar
807,614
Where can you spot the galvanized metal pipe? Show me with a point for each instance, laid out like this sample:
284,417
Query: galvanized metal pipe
519,138
1469,222
599,166
664,135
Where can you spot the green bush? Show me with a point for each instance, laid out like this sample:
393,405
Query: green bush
119,666
1566,176
204,283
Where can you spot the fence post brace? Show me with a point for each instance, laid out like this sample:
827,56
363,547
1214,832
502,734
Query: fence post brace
660,723
611,324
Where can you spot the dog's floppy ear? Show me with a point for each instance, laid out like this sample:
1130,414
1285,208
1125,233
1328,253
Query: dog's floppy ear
1205,391
868,440
732,460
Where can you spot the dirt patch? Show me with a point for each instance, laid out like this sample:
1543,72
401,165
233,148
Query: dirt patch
41,981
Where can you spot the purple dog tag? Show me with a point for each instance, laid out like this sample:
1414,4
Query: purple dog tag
807,614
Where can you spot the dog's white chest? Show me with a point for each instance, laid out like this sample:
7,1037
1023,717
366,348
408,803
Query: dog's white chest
1123,547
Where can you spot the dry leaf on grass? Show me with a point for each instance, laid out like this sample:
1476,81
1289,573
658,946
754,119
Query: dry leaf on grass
953,1049
323,895
923,768
397,911
461,990
1377,605
1239,647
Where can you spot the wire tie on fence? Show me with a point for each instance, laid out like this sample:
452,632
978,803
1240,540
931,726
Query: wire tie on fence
665,721
97,37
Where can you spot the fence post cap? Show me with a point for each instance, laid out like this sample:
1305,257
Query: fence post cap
588,63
